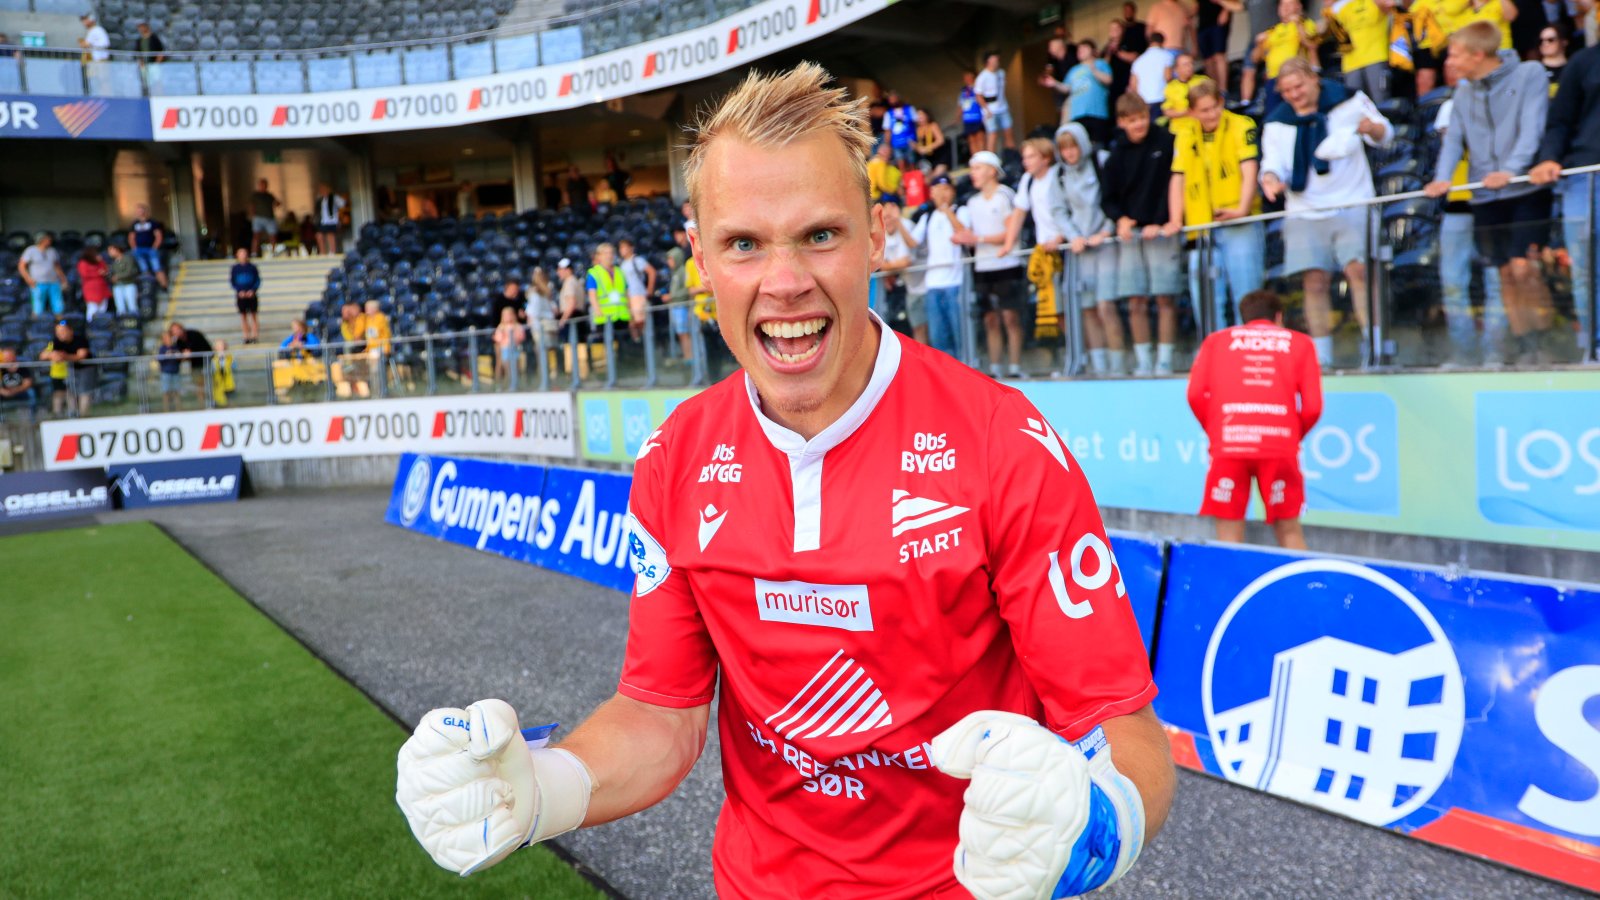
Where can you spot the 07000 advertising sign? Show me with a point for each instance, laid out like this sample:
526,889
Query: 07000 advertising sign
728,43
534,424
1460,709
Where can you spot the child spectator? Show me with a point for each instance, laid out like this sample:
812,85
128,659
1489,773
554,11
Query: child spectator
509,336
1175,99
883,175
169,359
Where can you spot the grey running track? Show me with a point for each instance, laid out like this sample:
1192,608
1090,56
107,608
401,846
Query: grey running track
417,623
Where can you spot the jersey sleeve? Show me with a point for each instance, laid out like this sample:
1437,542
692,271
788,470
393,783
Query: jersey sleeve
1056,582
670,659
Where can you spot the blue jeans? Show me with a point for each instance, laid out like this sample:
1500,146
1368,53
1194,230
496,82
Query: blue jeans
943,306
1456,254
43,290
1237,264
1580,200
148,258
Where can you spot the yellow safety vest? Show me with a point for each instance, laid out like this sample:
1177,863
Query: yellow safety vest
611,295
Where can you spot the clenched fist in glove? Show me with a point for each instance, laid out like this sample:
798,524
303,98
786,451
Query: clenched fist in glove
1043,818
473,790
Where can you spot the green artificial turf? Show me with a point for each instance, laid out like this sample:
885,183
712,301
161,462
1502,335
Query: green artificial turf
161,738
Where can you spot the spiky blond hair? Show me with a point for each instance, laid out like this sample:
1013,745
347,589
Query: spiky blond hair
778,109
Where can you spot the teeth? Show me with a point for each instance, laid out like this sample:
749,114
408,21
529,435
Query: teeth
793,329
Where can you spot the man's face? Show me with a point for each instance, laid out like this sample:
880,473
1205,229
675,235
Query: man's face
604,257
8,358
991,62
372,307
1208,112
1035,162
142,211
242,254
63,332
883,151
983,175
261,185
1471,63
297,329
1137,127
626,249
1130,11
1300,92
968,78
1289,10
348,312
144,30
1057,48
790,253
1085,52
1183,69
45,242
943,194
680,237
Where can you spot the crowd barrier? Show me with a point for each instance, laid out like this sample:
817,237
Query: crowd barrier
1457,707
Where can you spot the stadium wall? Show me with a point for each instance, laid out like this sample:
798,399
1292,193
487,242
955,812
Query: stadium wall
1337,682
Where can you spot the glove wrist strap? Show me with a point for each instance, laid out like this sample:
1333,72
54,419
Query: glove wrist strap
565,786
1114,834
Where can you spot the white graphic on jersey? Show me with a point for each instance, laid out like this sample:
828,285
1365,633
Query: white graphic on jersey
910,513
1046,436
646,557
722,467
710,521
650,443
839,699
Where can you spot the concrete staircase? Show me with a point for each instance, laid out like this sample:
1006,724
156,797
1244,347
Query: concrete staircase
203,299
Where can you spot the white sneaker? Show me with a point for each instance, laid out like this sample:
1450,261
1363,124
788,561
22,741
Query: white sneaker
1163,369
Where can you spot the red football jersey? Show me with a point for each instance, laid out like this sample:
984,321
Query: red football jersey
934,552
1243,389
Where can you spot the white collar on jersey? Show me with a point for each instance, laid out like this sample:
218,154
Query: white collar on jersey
883,372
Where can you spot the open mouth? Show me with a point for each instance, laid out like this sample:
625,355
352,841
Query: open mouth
794,343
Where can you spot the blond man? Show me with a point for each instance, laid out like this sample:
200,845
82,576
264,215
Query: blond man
838,702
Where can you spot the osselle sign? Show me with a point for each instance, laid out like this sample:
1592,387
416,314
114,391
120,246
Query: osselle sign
211,480
697,53
535,424
41,495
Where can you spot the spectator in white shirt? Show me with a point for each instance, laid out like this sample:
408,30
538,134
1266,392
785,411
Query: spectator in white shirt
991,88
936,233
999,278
1313,153
1151,72
95,40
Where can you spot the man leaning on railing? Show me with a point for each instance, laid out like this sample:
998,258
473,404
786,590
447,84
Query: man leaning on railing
1571,140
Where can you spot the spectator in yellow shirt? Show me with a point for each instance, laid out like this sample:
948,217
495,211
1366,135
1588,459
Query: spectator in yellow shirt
882,174
1293,36
1176,104
1500,13
1362,27
1430,30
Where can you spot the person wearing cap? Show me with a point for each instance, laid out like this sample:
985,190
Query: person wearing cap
64,350
95,39
40,267
935,233
999,291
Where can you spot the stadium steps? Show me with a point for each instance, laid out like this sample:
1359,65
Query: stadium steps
203,299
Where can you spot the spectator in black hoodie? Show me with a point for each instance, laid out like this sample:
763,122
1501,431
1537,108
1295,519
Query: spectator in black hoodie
1571,139
1144,202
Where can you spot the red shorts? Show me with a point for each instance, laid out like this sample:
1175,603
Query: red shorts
1277,478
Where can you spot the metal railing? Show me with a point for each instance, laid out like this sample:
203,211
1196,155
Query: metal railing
514,44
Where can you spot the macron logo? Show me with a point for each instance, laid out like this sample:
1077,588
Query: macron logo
710,521
842,606
1046,436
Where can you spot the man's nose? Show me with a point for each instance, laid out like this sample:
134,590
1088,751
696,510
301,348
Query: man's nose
786,276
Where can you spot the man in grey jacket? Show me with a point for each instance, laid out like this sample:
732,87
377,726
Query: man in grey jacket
1498,119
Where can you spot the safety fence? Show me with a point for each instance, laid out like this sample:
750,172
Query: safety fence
1445,704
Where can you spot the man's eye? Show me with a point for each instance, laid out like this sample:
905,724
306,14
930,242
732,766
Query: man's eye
821,237
743,245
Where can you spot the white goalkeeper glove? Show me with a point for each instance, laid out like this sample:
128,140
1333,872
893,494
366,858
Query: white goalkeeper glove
473,790
1043,818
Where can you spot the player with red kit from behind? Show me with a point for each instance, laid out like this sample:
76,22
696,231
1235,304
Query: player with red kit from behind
1257,390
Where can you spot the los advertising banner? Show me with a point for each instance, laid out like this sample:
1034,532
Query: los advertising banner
1504,457
615,424
534,424
41,495
214,480
1461,709
563,519
697,53
72,118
